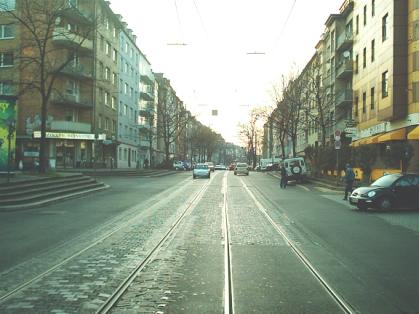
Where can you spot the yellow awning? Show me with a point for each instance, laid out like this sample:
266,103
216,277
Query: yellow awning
354,144
414,134
372,139
396,135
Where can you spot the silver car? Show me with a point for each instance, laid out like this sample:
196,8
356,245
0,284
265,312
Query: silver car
201,170
241,168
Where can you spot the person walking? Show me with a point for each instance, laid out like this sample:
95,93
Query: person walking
349,179
284,177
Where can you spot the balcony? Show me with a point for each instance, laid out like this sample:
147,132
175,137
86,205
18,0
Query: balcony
147,95
72,100
78,71
77,14
344,70
144,144
146,79
344,98
345,41
70,126
144,126
146,111
63,37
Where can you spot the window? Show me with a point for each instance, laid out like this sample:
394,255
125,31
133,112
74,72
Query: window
6,31
364,57
113,126
126,89
107,98
364,102
102,43
113,103
384,26
332,39
131,92
100,121
114,55
73,3
416,61
365,15
384,84
415,92
108,74
357,24
101,70
372,98
356,64
6,59
356,105
114,32
114,78
121,108
372,7
6,88
416,4
108,49
8,5
107,122
126,48
373,50
73,88
125,110
120,153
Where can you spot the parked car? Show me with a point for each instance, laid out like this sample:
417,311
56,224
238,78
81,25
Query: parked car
296,168
241,168
201,170
210,165
220,167
388,192
232,166
178,165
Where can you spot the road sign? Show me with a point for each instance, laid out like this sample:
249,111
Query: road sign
337,138
338,144
350,130
337,133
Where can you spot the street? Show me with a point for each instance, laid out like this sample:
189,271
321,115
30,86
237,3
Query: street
228,244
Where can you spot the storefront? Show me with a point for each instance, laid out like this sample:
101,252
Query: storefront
65,150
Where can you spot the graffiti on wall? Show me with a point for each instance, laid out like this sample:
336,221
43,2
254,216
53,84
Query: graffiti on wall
7,131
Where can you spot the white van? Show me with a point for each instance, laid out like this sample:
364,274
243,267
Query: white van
296,168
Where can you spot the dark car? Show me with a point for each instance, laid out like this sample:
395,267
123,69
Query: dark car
388,192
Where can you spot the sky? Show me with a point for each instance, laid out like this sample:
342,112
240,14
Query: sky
215,67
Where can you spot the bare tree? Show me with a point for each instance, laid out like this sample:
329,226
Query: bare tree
38,59
251,134
172,119
321,95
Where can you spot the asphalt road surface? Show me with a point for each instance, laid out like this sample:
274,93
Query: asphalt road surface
231,244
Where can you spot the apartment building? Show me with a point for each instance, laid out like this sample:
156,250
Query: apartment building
68,54
148,113
106,59
129,98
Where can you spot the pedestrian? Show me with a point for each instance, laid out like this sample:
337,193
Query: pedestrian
284,177
349,179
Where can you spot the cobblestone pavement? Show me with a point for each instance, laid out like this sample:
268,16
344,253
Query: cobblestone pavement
187,275
85,281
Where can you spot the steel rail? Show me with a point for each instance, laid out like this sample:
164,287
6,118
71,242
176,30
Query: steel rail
122,288
335,296
20,287
228,280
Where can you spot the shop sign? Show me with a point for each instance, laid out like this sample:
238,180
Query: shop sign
379,128
31,154
69,136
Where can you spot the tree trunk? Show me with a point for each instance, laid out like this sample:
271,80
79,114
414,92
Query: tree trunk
43,144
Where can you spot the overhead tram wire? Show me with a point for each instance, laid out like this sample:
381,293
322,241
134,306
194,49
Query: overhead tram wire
200,18
181,43
284,26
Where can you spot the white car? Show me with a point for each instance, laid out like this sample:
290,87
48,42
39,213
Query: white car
241,168
296,168
201,170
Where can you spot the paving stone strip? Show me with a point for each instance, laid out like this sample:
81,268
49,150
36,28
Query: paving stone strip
82,284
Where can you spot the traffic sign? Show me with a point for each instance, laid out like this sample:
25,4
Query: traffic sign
337,138
337,133
338,144
350,130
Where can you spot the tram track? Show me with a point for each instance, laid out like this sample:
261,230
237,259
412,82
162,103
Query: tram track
121,226
346,308
112,301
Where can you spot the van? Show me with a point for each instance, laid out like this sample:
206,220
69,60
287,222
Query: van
296,168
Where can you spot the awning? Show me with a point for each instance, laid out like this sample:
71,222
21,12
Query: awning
414,134
372,139
397,135
354,144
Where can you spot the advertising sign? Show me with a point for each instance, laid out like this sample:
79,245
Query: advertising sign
7,129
